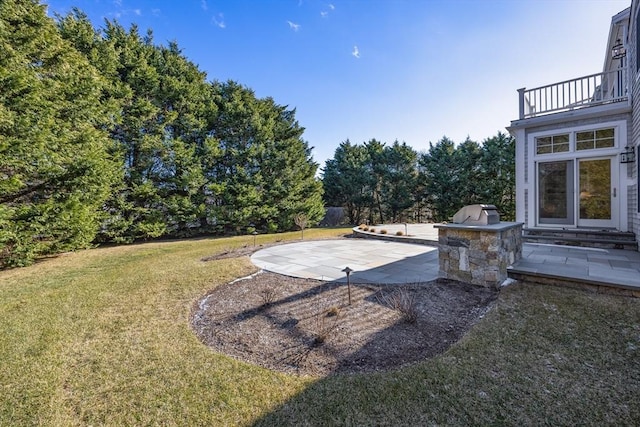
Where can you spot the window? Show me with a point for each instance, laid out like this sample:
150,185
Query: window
552,144
594,139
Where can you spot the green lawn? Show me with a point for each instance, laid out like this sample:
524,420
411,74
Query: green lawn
102,337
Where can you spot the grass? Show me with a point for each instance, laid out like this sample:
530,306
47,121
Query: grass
101,337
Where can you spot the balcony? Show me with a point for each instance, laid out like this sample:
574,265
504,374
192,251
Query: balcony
584,92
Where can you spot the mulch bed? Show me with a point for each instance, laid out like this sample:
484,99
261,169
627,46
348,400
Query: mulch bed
307,327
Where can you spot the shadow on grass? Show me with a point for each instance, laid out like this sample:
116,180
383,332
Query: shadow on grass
545,356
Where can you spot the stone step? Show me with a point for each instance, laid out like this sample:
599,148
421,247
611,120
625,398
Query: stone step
583,238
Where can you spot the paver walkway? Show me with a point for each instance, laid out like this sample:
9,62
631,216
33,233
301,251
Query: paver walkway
376,261
616,267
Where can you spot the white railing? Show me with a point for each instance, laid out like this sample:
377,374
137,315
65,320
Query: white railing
588,91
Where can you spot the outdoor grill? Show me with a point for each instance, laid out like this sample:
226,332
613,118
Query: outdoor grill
477,215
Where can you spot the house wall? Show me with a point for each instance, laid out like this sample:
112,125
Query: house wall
629,114
634,139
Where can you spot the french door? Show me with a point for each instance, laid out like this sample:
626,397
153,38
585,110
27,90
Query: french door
577,192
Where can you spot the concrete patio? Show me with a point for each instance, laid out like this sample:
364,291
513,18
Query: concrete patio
372,261
414,258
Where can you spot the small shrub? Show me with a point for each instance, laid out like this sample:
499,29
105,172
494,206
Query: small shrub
372,230
323,328
362,226
365,228
333,311
320,339
383,231
403,301
268,296
399,233
301,221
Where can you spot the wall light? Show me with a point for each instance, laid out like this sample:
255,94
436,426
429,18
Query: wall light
628,155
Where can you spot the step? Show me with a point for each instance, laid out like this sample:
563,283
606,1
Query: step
611,286
584,238
581,233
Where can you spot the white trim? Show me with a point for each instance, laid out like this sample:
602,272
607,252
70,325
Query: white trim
521,179
596,112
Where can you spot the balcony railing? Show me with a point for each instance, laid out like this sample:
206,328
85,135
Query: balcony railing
583,92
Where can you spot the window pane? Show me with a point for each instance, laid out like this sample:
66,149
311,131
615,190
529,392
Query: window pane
561,139
544,149
555,189
583,136
584,145
604,143
560,148
604,133
595,189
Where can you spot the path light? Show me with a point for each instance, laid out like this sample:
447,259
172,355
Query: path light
255,233
348,271
406,232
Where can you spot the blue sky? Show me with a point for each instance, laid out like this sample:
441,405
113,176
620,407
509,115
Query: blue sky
411,70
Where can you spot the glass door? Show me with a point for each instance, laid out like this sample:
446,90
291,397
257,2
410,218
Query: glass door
598,194
556,193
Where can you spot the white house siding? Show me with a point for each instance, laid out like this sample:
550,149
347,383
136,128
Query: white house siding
634,139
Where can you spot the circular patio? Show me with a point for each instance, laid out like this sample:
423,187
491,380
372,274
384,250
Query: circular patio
372,261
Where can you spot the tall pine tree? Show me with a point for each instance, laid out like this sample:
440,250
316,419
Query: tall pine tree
55,161
264,174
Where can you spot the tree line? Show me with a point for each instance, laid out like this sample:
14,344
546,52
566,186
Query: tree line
108,137
378,183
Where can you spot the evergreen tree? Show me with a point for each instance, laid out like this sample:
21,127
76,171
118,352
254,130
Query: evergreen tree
54,153
468,177
162,101
440,179
346,181
264,173
498,174
399,179
377,170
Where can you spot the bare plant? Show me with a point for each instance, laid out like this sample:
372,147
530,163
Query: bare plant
383,231
323,327
333,311
403,301
268,296
399,233
301,221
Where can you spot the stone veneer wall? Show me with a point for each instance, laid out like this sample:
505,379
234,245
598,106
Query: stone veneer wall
479,254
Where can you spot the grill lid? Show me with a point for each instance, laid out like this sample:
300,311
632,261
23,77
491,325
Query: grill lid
477,215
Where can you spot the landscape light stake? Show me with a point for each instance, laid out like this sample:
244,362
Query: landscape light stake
348,271
255,233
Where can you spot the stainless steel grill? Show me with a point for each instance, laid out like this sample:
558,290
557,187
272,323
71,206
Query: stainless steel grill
477,215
